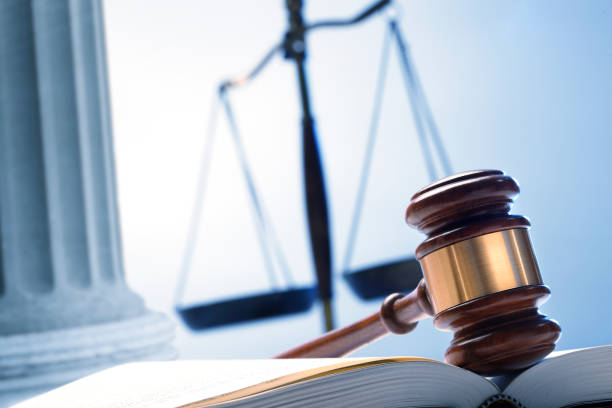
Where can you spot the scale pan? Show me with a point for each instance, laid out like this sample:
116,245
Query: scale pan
379,281
243,309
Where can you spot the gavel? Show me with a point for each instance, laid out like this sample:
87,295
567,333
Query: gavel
481,281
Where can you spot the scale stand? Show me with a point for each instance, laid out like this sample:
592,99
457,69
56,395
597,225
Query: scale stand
294,47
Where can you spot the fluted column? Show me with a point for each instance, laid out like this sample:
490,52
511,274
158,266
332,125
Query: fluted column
65,308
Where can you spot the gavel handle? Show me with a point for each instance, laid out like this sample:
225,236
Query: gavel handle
398,314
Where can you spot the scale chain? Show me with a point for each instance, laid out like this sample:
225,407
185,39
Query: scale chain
265,229
369,150
196,213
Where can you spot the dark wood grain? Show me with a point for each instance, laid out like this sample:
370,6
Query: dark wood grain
463,206
501,332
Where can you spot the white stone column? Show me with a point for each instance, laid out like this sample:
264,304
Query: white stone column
65,309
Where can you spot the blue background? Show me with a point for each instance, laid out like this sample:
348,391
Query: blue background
521,86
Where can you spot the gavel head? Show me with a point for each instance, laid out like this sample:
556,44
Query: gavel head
481,275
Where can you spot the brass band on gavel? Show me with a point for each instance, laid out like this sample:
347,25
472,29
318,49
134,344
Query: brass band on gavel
480,266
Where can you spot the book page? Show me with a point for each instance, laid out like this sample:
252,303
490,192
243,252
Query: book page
179,383
414,384
574,377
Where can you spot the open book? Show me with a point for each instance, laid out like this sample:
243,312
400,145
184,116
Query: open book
573,379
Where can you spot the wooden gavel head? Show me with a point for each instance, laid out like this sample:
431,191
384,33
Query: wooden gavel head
481,276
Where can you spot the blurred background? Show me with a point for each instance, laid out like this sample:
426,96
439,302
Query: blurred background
520,86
